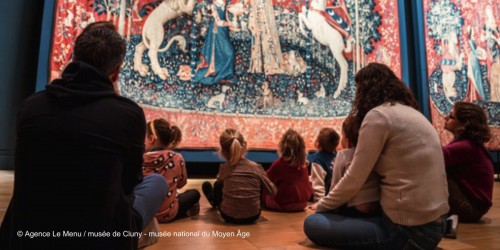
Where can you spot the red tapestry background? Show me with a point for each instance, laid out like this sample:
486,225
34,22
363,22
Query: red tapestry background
311,88
463,59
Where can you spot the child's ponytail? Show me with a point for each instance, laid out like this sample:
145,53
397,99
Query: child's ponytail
176,137
233,146
169,136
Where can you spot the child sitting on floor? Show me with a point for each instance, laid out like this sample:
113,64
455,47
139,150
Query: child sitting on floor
239,184
161,138
289,173
366,202
321,163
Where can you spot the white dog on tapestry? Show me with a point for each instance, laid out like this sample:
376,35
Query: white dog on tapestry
152,35
218,98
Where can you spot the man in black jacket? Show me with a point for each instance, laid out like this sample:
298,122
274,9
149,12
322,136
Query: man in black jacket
78,177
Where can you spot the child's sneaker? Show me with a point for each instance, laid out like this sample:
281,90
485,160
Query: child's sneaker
208,192
451,227
194,210
149,234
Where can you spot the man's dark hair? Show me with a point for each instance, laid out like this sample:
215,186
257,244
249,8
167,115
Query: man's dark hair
101,46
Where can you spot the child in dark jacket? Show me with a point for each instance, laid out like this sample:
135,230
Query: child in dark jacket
321,163
366,202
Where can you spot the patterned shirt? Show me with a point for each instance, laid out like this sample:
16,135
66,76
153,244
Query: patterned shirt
172,167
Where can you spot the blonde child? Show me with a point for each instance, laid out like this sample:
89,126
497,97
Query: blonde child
289,174
239,184
161,138
321,163
366,202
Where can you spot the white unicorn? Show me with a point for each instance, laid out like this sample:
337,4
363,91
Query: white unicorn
152,35
325,34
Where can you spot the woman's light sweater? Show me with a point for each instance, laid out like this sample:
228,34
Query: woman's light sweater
401,146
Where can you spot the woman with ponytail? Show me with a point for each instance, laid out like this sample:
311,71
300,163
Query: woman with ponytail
161,139
238,188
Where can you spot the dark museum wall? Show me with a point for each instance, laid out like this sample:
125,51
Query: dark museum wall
24,62
20,24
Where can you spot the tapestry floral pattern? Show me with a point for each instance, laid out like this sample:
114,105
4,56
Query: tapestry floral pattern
462,43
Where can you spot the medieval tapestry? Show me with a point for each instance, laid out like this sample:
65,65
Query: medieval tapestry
463,59
259,66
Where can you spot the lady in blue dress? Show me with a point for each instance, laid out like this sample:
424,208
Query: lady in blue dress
475,90
217,56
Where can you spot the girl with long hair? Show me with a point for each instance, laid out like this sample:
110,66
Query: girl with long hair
469,166
290,175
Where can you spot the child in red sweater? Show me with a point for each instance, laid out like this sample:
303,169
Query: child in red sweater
289,174
469,167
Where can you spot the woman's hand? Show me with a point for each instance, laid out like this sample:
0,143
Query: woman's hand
312,207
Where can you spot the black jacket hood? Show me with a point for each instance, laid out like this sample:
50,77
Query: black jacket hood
80,83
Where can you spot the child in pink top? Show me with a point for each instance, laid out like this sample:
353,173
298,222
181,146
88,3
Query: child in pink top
161,138
289,174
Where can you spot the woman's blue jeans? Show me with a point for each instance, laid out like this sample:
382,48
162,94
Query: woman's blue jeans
149,195
338,231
